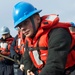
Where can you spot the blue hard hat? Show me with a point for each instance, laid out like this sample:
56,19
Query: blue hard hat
22,11
5,30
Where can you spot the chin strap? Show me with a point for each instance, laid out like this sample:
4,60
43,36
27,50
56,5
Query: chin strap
33,24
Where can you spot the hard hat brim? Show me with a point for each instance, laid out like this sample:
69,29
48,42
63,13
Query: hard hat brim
26,17
4,33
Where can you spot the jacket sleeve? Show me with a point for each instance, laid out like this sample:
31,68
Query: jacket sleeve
12,48
27,61
58,49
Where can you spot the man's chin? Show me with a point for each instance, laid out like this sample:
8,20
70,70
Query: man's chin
28,36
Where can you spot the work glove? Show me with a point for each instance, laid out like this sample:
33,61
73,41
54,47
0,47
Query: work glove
22,67
30,72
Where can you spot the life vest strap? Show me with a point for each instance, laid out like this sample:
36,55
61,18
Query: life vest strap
38,48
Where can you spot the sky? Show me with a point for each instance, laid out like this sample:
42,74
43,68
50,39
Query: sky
65,9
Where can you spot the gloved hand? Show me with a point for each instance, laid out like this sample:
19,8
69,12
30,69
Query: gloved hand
30,72
22,67
5,53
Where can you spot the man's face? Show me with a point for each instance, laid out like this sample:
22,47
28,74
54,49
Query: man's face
4,36
27,27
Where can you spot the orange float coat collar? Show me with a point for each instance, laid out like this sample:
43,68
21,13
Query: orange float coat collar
20,42
38,47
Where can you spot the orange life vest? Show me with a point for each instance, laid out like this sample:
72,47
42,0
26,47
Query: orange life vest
71,56
20,44
48,23
5,46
